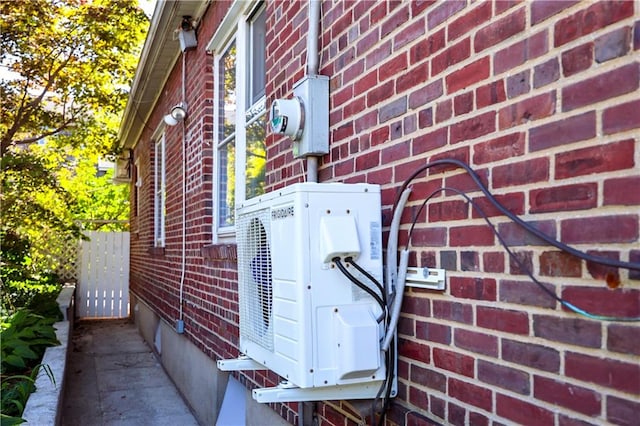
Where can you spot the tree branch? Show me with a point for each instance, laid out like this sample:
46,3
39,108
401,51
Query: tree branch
43,135
24,111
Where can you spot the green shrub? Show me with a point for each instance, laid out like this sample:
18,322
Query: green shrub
22,284
23,339
14,256
15,393
38,296
24,336
27,313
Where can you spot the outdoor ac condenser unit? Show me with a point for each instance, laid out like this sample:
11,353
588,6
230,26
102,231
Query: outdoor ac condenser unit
299,315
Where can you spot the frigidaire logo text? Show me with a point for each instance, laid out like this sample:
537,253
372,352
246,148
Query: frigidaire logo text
282,213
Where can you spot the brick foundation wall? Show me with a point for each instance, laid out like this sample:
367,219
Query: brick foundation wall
541,99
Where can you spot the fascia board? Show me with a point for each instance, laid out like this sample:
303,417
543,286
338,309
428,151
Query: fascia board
149,78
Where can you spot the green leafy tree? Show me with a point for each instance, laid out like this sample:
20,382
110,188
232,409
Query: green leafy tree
72,58
97,200
65,66
35,212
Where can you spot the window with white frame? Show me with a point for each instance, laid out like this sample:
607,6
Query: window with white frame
240,114
159,194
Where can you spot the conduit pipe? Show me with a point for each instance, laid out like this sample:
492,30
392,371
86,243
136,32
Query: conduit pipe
397,301
396,276
312,168
313,58
392,244
180,327
313,63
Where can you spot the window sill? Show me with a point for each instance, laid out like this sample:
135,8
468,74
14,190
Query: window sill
156,251
220,255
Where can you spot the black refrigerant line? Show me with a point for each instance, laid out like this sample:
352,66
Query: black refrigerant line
516,219
389,355
383,299
549,240
364,272
359,284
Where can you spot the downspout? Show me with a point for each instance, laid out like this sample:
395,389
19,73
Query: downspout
313,62
180,323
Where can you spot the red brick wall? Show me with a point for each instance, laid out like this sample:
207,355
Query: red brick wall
540,98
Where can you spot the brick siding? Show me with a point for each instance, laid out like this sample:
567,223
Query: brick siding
540,97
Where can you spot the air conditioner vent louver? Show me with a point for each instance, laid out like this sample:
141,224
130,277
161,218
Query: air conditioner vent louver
255,278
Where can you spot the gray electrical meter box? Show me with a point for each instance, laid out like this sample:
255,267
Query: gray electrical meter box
314,92
305,117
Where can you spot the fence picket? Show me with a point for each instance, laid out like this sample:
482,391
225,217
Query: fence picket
103,283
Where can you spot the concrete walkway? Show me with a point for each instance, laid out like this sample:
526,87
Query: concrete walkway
113,378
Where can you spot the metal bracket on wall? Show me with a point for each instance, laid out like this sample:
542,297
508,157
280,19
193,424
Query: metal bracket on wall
428,278
240,363
288,392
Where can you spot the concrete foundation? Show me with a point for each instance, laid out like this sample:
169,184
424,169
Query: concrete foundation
195,374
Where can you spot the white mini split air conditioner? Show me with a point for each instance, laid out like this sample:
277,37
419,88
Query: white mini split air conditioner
300,316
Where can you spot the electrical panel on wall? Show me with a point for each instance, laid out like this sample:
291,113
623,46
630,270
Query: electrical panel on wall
300,316
305,117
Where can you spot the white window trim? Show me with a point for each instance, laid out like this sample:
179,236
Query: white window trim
159,192
239,9
138,184
221,232
234,26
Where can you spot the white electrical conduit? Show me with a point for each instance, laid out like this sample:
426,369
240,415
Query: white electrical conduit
312,168
184,189
397,301
313,62
392,244
392,272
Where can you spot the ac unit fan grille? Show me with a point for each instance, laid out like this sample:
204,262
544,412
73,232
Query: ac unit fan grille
255,284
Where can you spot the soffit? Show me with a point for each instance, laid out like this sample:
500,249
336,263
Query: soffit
159,54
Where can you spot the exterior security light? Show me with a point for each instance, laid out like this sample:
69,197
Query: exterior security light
177,114
169,120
